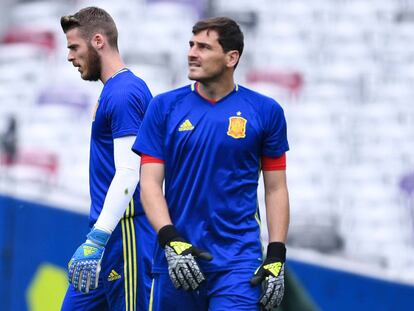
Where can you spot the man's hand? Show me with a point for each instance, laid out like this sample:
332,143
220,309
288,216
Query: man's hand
271,274
182,266
85,265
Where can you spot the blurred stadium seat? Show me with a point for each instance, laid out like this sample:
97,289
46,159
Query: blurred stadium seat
342,70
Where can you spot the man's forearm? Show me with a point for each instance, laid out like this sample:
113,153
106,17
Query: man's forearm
277,213
155,206
152,196
122,186
117,199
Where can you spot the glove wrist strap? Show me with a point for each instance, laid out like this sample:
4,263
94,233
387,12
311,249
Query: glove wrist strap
167,234
276,250
98,237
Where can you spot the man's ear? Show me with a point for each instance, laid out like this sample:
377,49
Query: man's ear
98,41
232,58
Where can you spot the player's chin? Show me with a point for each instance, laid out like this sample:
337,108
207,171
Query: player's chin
193,72
89,77
84,75
194,76
191,76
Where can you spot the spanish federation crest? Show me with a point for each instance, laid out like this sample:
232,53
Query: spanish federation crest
237,126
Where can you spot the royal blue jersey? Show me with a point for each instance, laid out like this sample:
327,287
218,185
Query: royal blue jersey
212,155
119,112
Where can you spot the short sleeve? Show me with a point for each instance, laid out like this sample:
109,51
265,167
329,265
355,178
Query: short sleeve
125,111
275,141
150,138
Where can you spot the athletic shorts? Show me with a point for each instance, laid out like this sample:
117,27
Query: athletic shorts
222,291
125,277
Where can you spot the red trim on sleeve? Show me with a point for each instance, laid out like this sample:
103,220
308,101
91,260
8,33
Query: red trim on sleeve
274,164
149,159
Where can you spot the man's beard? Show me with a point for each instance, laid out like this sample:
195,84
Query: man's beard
93,65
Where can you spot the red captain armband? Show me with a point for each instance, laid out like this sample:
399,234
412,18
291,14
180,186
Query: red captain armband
274,164
149,159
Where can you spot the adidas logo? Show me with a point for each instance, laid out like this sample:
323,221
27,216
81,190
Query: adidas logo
113,276
274,268
186,126
180,247
88,250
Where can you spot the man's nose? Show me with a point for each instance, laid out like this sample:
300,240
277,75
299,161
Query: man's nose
70,57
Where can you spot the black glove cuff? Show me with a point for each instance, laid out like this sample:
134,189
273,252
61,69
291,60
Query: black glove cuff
276,250
167,234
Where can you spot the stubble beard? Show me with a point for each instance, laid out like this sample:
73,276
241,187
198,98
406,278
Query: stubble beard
93,65
206,79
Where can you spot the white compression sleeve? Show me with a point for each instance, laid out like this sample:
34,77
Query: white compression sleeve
123,184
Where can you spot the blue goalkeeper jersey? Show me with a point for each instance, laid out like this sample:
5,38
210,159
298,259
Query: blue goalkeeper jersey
119,112
212,155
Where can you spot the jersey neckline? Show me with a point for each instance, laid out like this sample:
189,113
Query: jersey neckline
194,88
117,73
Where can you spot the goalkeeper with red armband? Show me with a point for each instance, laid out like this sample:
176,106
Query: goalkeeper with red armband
202,147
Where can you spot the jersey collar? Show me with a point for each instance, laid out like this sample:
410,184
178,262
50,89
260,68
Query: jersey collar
194,88
118,72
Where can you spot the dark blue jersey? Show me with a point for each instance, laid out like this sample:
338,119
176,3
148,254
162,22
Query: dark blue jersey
212,155
119,112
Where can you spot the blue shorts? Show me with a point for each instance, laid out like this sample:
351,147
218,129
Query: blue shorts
222,291
125,277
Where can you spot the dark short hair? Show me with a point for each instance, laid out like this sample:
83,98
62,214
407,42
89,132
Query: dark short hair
229,33
89,21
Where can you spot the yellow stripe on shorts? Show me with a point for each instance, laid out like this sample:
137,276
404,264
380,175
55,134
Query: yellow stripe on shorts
130,260
151,296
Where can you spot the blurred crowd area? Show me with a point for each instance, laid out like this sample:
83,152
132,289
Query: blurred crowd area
343,71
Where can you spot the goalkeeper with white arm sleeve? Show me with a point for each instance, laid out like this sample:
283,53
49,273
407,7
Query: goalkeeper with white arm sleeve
111,270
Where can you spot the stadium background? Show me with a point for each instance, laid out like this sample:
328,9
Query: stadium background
343,71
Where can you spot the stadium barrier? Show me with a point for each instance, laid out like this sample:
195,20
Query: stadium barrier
37,241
